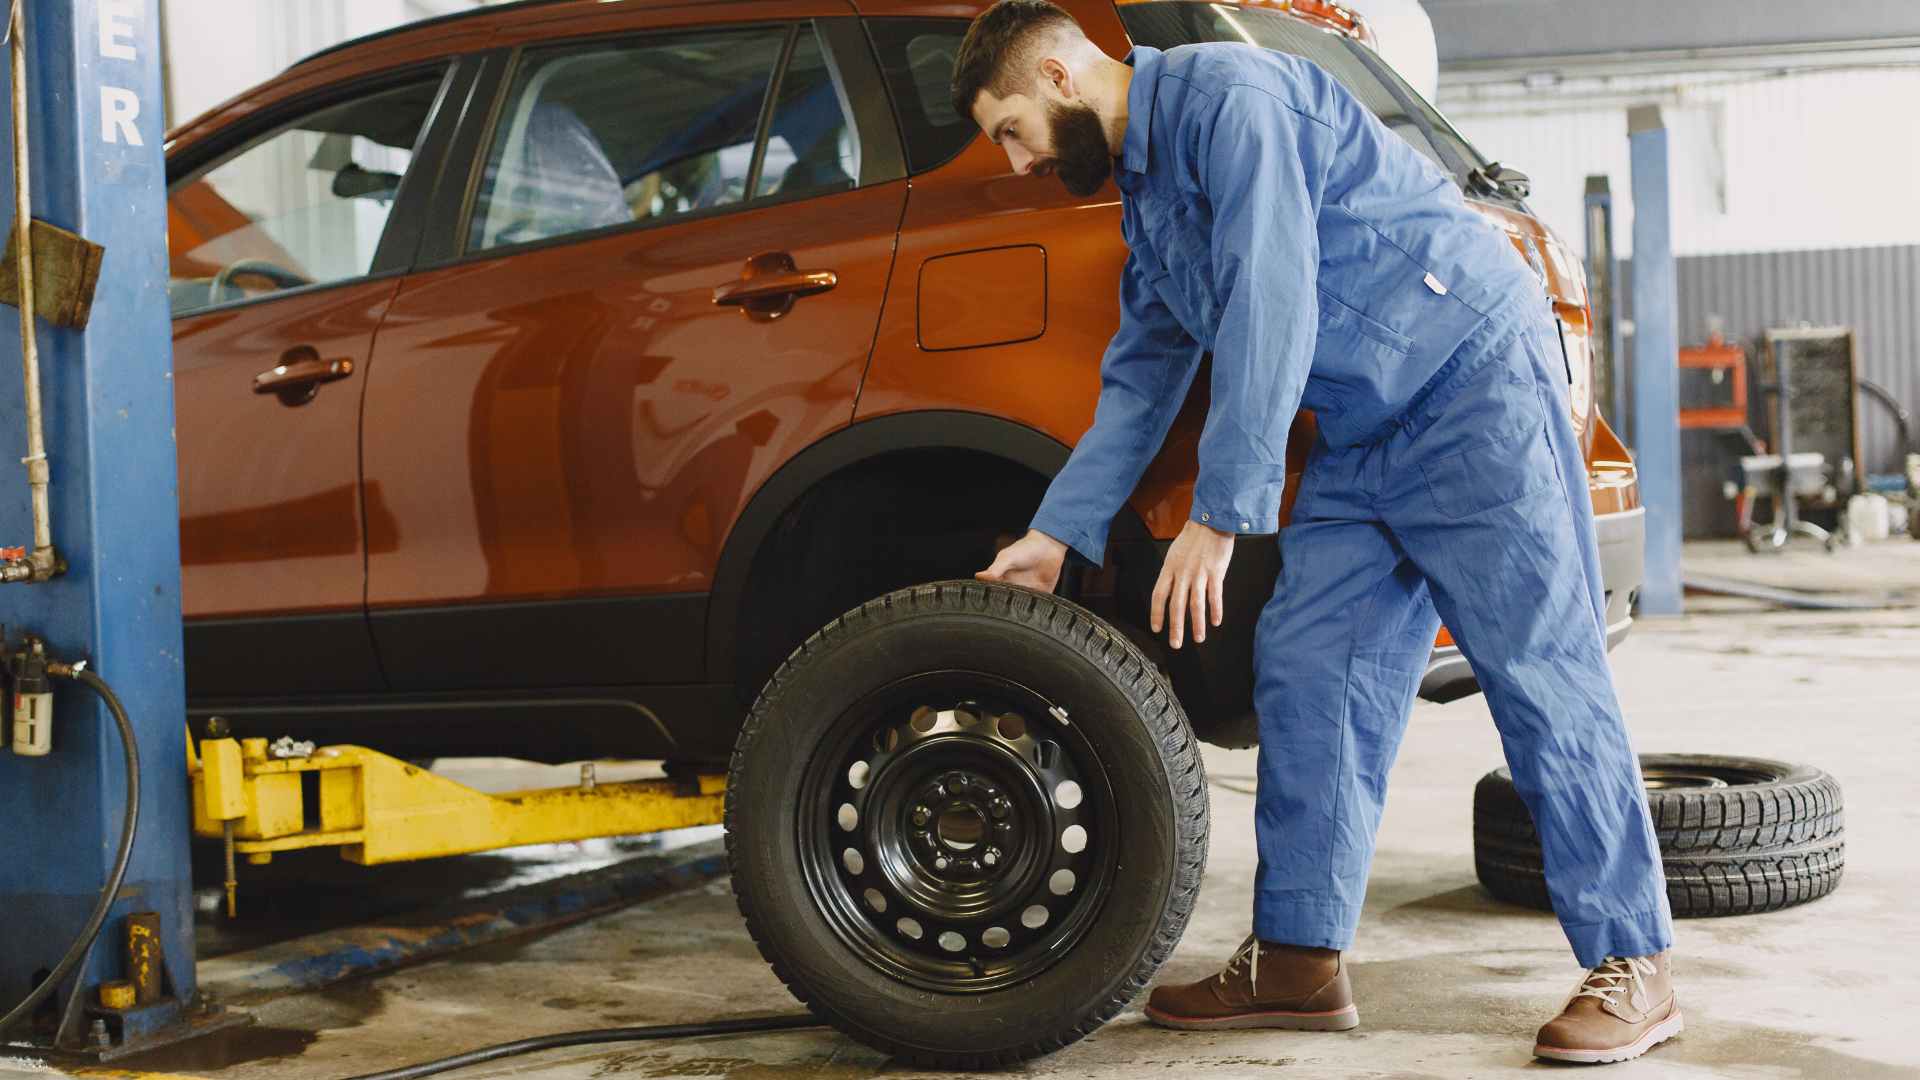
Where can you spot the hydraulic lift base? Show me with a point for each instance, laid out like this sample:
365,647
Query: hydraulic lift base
137,1031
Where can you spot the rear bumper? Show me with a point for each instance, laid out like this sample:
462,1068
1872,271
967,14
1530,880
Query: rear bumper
1622,541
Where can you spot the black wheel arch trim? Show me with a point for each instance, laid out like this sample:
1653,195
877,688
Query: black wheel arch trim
862,441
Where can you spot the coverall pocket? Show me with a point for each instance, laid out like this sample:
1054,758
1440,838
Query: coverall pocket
1492,474
1337,316
1185,243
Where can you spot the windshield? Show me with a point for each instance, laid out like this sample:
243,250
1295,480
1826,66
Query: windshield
1166,23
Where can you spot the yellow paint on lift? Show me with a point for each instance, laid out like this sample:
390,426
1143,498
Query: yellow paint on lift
379,809
129,1075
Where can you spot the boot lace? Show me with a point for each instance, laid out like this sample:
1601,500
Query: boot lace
1613,977
1249,954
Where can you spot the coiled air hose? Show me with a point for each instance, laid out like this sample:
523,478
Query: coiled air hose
130,823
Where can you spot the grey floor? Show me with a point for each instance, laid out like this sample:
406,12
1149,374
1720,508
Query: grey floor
1450,983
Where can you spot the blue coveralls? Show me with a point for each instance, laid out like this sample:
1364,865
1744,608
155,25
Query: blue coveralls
1276,223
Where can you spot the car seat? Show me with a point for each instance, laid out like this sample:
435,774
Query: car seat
562,182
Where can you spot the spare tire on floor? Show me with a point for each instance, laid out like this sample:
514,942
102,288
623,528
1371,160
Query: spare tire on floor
1737,835
966,823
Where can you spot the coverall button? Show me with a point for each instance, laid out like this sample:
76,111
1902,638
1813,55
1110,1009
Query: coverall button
1204,517
1245,525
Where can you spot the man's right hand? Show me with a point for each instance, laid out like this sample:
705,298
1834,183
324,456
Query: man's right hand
1034,561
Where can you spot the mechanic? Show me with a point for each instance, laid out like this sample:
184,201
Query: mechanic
1274,222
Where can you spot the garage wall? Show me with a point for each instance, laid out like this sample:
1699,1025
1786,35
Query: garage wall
1503,29
1875,290
218,48
1760,162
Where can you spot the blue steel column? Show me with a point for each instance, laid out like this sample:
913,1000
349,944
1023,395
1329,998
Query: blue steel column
93,70
1656,356
1603,275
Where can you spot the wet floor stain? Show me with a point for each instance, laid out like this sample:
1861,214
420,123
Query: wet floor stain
1405,996
222,1049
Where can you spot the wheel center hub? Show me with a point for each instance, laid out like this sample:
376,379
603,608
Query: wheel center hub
963,828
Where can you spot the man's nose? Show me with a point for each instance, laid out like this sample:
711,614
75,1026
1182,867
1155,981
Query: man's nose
1020,159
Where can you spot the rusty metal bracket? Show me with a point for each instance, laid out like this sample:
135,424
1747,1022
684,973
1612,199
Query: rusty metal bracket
66,268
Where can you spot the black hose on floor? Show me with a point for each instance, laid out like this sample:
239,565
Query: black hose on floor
742,1026
109,892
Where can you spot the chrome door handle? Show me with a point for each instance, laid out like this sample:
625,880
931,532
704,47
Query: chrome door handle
299,375
769,284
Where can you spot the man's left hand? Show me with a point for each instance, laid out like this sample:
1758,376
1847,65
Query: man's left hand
1192,582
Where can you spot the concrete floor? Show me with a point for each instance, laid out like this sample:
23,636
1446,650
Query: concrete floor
1450,983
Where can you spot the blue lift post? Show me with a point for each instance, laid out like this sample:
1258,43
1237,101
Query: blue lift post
1603,278
97,169
1656,356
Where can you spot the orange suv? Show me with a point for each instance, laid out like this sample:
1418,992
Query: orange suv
550,379
546,374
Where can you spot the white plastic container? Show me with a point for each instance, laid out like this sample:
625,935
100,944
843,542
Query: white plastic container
1867,517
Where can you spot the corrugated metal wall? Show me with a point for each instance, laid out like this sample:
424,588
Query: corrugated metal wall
1875,290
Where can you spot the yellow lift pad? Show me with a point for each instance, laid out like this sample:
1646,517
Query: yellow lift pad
379,809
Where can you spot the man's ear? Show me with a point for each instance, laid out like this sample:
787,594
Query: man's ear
1054,72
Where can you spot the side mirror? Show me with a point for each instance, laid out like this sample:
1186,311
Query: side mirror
1513,181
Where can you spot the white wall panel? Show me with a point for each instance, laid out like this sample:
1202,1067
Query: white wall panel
1808,160
218,48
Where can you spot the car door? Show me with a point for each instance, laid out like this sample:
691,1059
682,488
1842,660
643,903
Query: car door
664,281
278,237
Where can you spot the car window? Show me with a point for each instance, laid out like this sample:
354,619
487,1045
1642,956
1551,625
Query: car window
1438,129
916,56
811,146
303,205
1163,25
650,129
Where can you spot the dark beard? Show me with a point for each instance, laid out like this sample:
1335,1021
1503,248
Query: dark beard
1080,153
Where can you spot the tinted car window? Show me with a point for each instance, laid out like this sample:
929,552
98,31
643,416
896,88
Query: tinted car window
810,145
617,132
916,56
1438,130
303,205
1165,25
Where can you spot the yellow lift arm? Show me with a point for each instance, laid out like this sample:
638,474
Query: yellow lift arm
379,809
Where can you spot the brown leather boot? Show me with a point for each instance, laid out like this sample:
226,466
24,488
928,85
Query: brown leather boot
1263,986
1622,1009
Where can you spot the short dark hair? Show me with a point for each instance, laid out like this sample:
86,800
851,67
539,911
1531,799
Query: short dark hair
997,52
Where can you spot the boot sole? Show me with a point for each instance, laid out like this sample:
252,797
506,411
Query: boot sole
1657,1034
1332,1020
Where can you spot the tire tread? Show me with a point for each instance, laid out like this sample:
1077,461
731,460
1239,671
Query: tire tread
1113,653
1734,850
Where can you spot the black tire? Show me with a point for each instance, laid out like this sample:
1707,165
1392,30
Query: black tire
969,654
1737,835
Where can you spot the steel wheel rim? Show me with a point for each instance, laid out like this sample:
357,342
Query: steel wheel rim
1695,777
957,830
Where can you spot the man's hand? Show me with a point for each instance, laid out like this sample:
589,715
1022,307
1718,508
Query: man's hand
1191,582
1034,561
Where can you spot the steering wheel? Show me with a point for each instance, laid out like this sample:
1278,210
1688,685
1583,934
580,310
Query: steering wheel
280,276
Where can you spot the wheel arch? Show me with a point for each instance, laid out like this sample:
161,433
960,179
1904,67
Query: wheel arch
864,442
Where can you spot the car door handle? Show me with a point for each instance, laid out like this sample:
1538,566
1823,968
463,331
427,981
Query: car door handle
773,286
299,375
769,283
